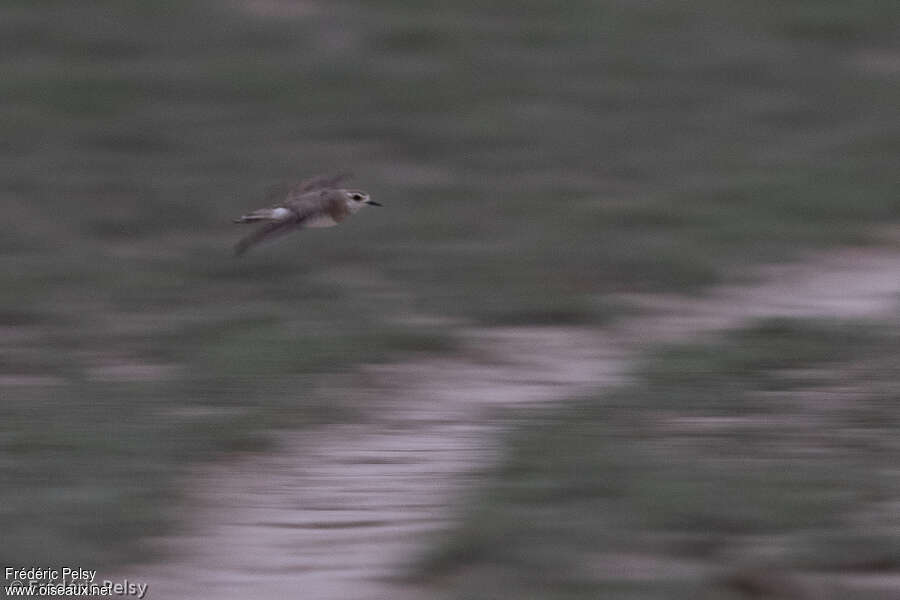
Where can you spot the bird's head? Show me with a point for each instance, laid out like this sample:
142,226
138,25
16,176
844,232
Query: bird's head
357,198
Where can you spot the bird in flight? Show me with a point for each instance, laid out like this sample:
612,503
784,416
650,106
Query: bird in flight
315,202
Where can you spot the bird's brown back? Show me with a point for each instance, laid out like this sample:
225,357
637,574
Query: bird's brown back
320,203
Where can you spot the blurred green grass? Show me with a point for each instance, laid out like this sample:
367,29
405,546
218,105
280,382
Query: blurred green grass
747,461
533,157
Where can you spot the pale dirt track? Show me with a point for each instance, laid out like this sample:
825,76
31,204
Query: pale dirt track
341,511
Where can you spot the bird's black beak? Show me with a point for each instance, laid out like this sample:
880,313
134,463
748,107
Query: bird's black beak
373,203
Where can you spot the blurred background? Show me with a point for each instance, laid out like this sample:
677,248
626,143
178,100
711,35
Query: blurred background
540,162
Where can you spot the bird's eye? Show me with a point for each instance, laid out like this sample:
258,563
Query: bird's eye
356,197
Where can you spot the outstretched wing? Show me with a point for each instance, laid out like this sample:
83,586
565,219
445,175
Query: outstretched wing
321,182
269,230
289,190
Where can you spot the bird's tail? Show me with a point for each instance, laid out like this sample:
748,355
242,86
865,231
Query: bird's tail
264,214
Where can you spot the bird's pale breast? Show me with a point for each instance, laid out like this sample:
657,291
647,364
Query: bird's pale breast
319,221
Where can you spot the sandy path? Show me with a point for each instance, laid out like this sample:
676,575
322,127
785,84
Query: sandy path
339,512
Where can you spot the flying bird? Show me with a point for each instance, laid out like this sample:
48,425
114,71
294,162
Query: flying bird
316,202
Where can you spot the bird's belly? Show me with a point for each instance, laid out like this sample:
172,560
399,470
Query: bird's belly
320,221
